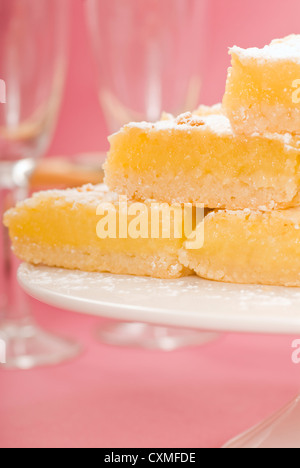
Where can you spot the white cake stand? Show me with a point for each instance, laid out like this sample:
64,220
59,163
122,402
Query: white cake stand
190,303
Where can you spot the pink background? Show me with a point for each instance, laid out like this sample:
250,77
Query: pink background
245,23
109,397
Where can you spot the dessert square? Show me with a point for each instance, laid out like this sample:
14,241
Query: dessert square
249,247
60,228
263,88
197,158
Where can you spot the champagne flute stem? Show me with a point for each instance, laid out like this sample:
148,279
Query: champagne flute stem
13,301
25,344
3,258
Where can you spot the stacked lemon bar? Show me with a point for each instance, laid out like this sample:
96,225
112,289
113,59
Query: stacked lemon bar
239,159
83,229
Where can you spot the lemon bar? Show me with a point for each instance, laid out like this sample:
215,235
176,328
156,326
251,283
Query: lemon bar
263,88
249,247
198,159
59,228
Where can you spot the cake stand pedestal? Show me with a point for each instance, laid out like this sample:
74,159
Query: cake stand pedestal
188,303
146,336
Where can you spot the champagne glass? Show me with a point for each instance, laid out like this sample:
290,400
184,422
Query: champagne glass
33,40
148,56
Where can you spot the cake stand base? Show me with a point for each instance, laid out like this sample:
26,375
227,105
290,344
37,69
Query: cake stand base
281,430
141,335
23,345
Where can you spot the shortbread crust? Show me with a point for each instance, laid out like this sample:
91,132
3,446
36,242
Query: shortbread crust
58,228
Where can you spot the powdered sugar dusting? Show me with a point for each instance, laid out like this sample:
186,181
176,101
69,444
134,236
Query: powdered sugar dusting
284,49
86,195
290,215
189,302
216,123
